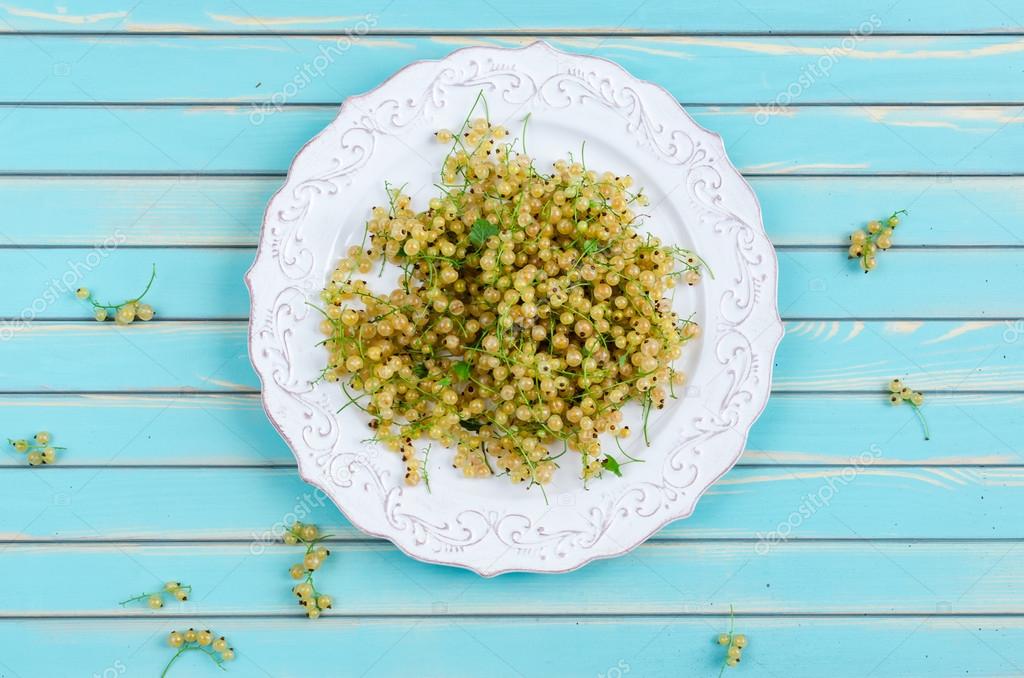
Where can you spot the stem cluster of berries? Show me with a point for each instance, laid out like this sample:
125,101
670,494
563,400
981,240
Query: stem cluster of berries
865,244
217,649
309,597
155,599
898,393
124,313
38,451
734,642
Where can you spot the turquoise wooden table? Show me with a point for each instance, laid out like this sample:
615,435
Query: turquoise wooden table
134,133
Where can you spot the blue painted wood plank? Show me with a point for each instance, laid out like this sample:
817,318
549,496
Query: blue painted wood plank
223,139
610,647
657,16
867,502
232,430
823,356
274,69
208,283
677,578
213,211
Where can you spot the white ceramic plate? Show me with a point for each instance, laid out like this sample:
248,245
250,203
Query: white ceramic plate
698,201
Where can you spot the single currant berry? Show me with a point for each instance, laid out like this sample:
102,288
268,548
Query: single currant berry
175,639
297,571
204,638
100,314
895,385
190,636
228,654
739,640
181,594
20,445
145,312
220,645
43,438
125,315
82,293
723,638
324,602
49,455
172,586
155,601
35,458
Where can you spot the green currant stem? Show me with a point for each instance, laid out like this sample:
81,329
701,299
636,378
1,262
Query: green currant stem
732,627
188,647
140,597
924,424
116,307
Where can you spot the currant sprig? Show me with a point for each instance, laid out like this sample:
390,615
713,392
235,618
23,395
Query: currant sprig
898,393
309,597
735,642
865,244
39,450
217,649
155,599
124,313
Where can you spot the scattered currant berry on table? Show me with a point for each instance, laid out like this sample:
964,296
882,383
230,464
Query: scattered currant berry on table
734,643
528,312
155,599
866,243
309,597
898,393
124,313
219,651
39,451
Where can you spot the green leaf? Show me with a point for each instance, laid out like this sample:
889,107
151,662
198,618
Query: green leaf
447,381
470,424
589,247
461,369
481,231
612,465
420,370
